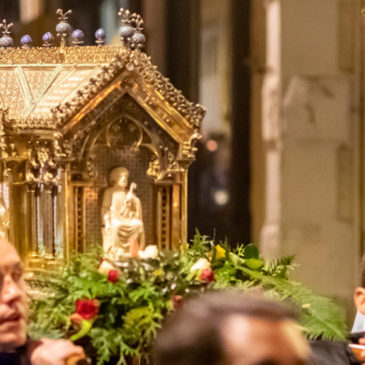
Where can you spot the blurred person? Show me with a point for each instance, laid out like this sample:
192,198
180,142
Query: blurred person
341,352
15,347
231,328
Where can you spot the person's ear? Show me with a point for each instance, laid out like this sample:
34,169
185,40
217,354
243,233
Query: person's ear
359,298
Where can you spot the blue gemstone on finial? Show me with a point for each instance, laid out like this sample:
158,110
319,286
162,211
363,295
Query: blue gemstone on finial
47,39
126,31
6,41
77,37
26,41
138,39
100,36
63,28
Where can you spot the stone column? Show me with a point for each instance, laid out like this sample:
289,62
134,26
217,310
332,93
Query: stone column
310,137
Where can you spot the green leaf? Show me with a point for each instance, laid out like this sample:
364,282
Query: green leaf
254,264
251,251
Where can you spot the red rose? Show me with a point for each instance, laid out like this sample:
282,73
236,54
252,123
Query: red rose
113,276
207,275
87,308
177,301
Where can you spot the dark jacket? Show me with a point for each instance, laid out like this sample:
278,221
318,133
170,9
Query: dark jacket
332,353
20,356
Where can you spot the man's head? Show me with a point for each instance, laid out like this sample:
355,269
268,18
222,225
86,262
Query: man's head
13,308
231,328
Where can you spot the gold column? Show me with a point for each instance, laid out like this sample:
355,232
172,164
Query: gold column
79,219
184,206
176,222
32,220
47,222
65,195
12,215
163,214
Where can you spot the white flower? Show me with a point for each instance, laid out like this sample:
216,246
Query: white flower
150,252
105,267
201,264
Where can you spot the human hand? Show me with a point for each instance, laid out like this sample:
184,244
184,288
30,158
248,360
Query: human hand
56,352
361,356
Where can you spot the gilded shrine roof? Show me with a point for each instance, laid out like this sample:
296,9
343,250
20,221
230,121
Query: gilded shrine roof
35,81
48,87
42,87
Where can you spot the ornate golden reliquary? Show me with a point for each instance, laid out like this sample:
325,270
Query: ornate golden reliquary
69,115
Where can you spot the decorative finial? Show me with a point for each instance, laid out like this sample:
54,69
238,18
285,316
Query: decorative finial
6,27
63,28
77,37
100,36
47,39
26,41
138,40
131,29
63,17
6,40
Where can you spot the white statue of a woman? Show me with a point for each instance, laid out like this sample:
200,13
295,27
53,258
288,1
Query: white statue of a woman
122,217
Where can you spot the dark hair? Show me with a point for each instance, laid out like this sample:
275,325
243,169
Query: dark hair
192,336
